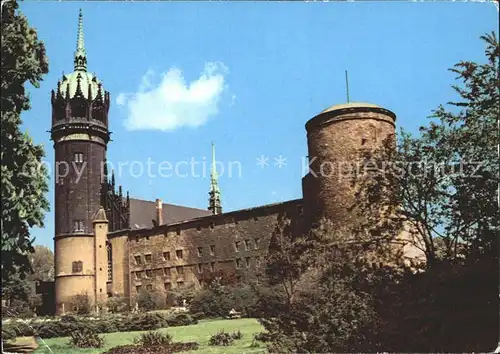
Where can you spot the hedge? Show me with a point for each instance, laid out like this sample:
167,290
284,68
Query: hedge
107,324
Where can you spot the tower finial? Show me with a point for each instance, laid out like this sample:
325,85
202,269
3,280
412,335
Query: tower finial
347,85
80,53
214,200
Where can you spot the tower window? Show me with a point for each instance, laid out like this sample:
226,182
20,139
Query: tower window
138,260
147,258
238,263
237,246
178,254
256,243
168,286
200,251
247,245
77,266
180,270
138,288
212,266
78,157
247,262
200,268
149,287
212,250
149,273
79,226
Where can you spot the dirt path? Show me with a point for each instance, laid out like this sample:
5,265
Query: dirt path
24,345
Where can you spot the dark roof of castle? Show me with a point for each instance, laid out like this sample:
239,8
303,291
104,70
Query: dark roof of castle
142,212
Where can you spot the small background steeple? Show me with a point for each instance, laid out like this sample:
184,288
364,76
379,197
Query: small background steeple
214,201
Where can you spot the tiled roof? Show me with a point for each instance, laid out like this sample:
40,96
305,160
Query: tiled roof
143,212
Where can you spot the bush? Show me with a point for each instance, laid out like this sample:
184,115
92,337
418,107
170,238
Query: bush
237,335
81,304
106,324
117,304
85,338
218,300
221,338
152,338
181,320
150,300
157,349
8,332
198,316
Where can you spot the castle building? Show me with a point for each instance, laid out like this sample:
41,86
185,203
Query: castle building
108,244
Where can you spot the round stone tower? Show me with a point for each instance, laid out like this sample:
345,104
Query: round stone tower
337,140
80,133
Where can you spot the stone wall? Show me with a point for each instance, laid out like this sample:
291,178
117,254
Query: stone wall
176,255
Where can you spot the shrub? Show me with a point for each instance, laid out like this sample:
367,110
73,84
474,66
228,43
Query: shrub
69,318
158,349
152,338
147,300
85,338
237,335
181,319
8,332
221,338
218,300
106,324
81,304
198,316
117,304
254,344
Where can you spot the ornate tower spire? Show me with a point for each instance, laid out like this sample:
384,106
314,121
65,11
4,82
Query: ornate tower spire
214,200
80,53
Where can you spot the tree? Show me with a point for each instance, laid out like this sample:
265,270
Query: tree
321,290
444,182
24,182
42,263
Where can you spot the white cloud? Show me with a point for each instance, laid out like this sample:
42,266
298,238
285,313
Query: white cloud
173,103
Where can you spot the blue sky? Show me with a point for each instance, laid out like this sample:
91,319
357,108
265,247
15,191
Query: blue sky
246,75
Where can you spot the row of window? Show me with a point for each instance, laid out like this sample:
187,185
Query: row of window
179,254
248,244
248,262
167,272
167,286
179,270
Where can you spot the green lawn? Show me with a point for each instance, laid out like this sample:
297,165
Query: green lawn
199,333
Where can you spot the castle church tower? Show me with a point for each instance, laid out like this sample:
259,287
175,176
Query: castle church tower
80,133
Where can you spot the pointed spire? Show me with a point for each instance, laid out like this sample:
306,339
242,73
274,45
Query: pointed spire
214,201
80,53
113,180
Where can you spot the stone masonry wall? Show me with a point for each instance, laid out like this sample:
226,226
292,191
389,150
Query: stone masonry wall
176,255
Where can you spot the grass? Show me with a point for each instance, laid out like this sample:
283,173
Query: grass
199,333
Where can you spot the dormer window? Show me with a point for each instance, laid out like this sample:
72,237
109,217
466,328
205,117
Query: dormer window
78,157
